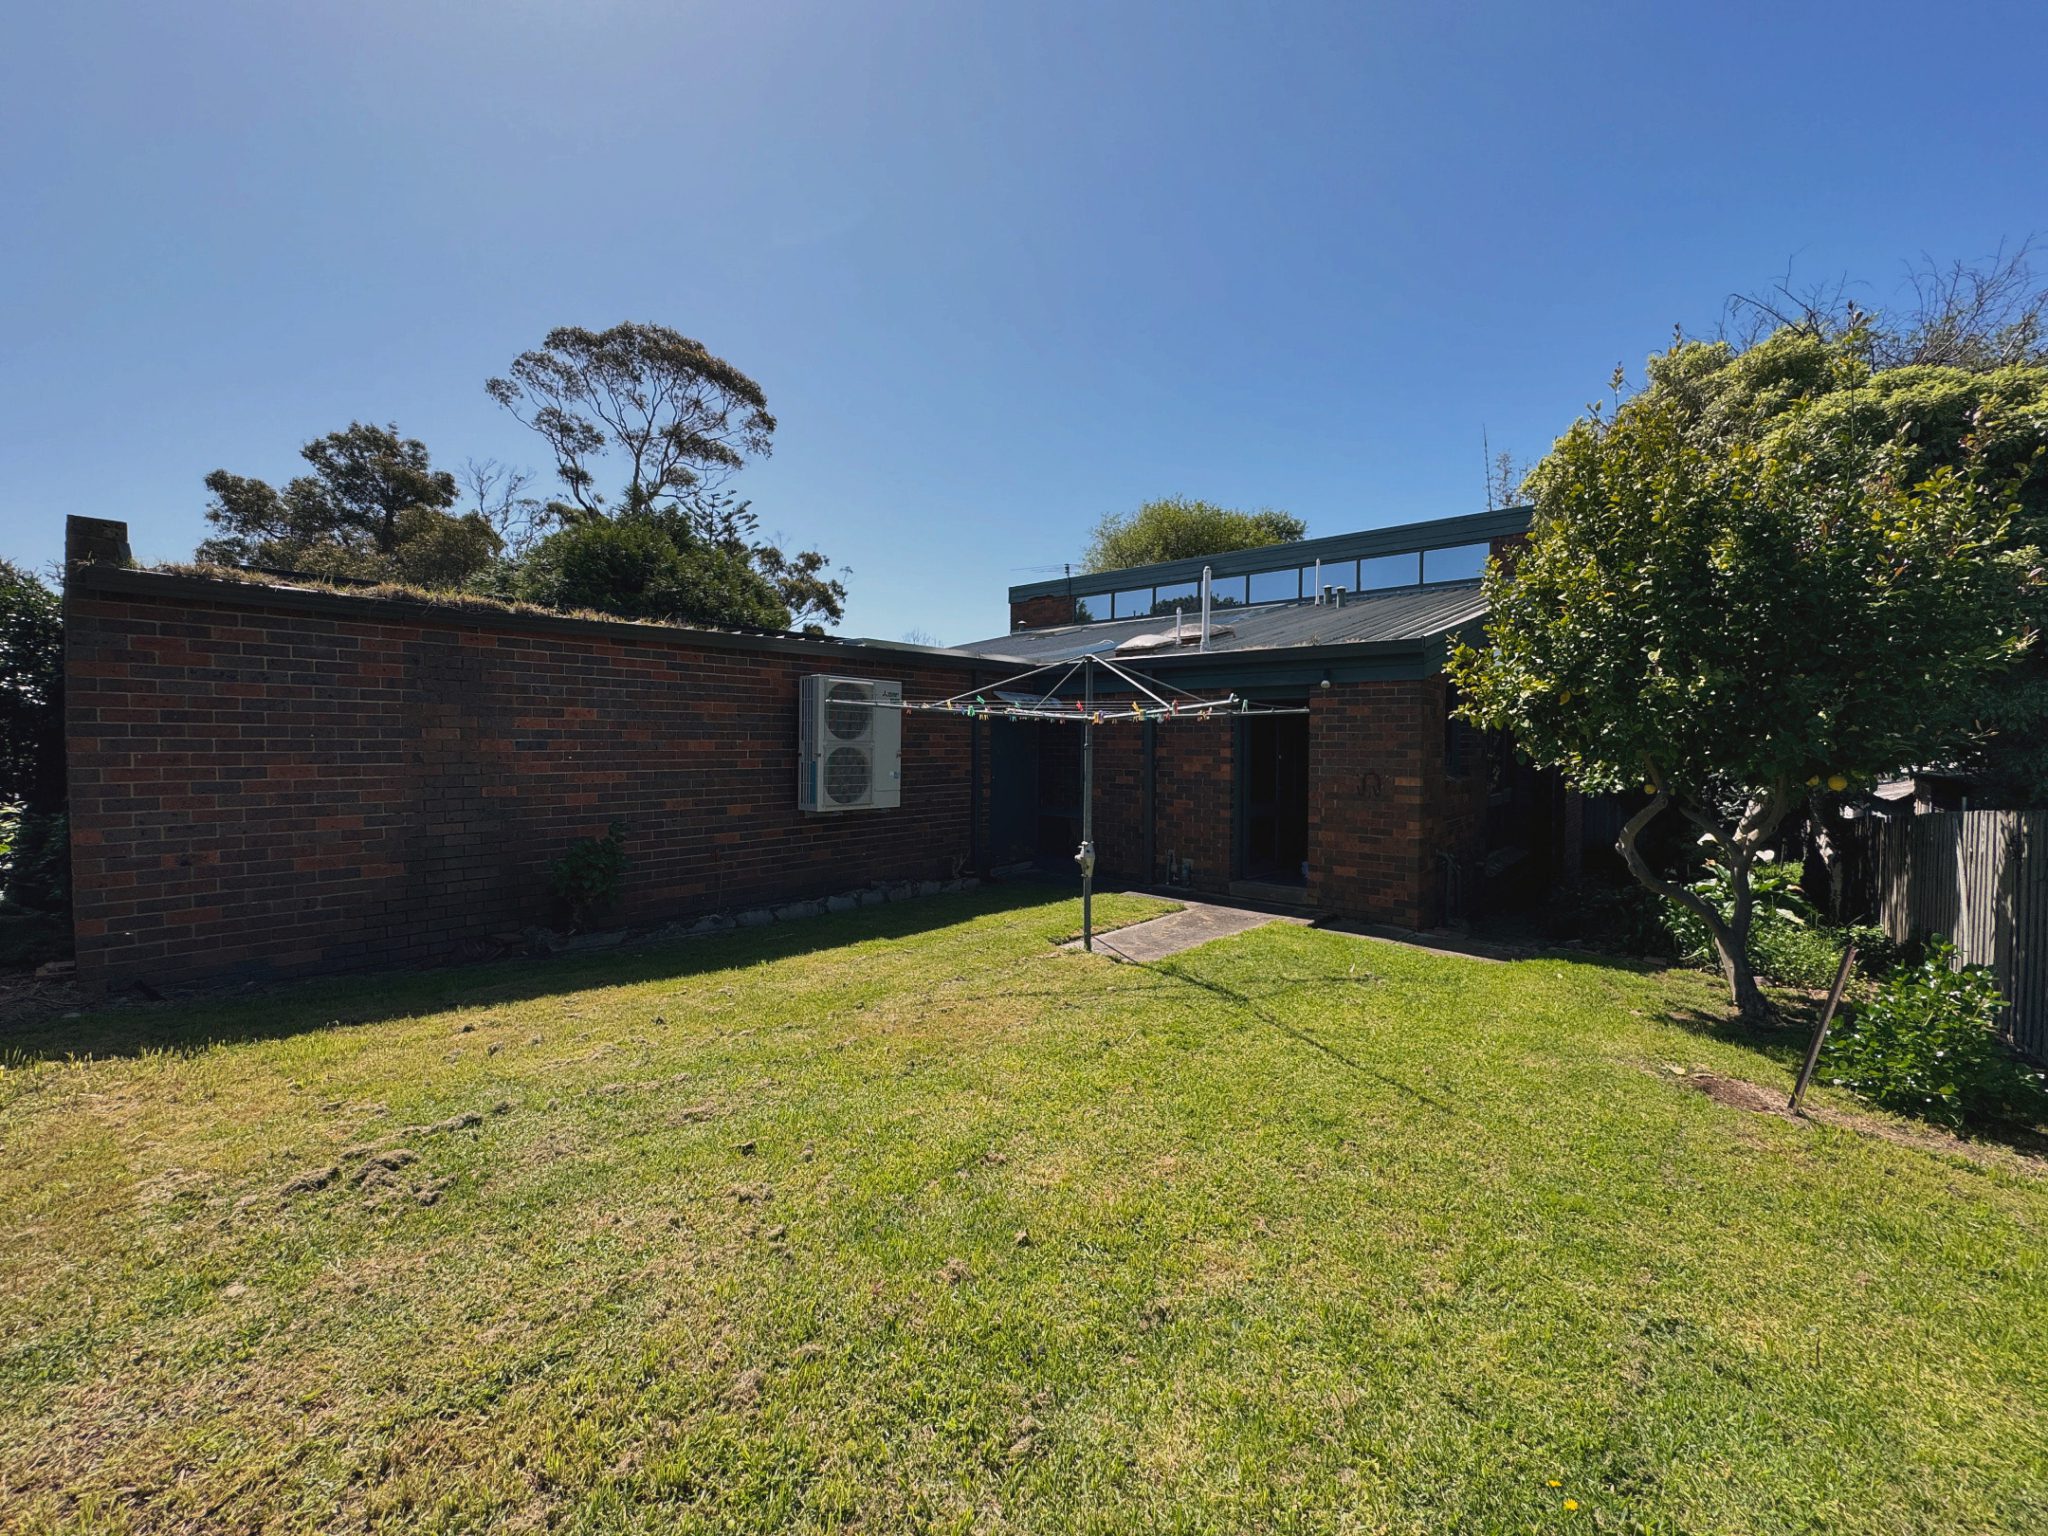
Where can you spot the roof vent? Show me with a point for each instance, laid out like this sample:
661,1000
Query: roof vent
1140,643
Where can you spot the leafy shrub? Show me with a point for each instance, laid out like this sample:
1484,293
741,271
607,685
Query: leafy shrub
1774,894
35,861
35,887
1795,956
1786,942
31,691
635,567
1927,1044
585,881
1877,953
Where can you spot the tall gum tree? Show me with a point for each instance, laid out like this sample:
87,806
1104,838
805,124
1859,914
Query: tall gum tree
1714,627
676,421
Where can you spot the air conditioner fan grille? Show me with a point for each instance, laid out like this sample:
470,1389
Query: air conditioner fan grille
847,776
848,715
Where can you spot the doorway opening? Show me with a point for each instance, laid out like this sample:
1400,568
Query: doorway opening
1273,800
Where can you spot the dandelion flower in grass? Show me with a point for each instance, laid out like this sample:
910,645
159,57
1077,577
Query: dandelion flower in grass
1555,1483
1571,1503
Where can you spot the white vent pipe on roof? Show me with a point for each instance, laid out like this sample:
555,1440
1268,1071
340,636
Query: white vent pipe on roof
1205,608
1319,583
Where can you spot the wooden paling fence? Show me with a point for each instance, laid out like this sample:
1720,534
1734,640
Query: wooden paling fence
1980,880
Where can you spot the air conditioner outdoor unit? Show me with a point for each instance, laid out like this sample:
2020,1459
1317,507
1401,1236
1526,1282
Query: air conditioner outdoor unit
849,744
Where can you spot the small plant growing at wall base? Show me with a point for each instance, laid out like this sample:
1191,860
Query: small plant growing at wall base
585,881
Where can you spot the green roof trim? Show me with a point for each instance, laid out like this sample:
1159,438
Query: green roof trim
1408,538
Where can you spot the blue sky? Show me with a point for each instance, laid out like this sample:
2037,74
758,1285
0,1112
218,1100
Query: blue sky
1000,268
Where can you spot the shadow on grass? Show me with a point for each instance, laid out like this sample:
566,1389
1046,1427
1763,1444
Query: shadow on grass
1250,1005
282,1009
1783,1042
1781,1049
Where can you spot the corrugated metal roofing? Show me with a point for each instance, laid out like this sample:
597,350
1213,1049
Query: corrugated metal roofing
1412,613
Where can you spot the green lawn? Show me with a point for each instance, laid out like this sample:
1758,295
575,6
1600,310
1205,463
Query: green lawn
907,1220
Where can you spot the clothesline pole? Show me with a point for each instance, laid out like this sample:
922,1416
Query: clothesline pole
1086,856
1047,708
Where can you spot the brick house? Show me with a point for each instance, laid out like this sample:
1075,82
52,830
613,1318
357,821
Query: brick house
1373,804
271,780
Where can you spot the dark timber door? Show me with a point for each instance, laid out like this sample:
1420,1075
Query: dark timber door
1274,786
1013,791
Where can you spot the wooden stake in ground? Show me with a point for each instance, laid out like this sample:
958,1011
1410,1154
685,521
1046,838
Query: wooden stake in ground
1820,1035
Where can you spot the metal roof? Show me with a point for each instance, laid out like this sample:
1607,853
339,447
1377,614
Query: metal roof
1371,543
1403,613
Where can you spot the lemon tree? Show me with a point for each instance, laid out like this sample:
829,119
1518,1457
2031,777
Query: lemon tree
1714,624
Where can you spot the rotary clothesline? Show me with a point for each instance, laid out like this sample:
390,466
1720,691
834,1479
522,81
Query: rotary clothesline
1011,704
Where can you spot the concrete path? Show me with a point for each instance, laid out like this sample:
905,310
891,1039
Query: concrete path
1196,923
1200,921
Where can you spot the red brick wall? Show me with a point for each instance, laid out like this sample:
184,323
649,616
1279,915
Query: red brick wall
1042,613
1381,810
1119,800
1193,798
267,786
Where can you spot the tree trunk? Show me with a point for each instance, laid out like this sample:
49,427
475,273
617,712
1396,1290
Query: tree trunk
1750,1003
1832,862
1731,943
1731,937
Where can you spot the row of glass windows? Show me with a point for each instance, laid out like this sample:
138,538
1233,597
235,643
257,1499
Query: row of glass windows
1465,562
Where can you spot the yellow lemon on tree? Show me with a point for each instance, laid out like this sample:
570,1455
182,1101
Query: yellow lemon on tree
1837,782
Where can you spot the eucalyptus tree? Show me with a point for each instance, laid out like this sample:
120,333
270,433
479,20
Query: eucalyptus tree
678,418
671,421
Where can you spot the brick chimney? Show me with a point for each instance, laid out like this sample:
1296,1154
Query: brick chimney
96,541
1042,613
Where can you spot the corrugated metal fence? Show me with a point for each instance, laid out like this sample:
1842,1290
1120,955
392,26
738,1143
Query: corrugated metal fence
1979,879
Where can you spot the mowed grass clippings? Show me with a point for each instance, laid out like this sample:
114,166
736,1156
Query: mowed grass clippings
907,1220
